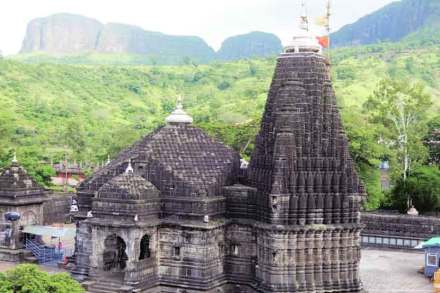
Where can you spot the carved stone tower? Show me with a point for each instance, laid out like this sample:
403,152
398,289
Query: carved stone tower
309,195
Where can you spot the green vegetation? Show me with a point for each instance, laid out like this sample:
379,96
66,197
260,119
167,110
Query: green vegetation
92,111
424,187
30,279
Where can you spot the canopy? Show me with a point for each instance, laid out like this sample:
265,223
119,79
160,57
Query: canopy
49,231
433,242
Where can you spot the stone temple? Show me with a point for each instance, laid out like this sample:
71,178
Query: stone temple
176,212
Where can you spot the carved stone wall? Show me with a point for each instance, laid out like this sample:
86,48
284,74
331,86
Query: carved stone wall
57,208
400,225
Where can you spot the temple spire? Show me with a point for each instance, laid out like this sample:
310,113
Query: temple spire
179,115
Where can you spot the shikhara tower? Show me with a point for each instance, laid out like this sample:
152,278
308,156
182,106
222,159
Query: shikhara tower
175,212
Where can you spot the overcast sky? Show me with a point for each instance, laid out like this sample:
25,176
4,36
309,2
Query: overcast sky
213,20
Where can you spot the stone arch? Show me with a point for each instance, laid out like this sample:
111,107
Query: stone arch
145,250
114,256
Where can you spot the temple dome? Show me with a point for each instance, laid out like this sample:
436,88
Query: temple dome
179,159
179,115
304,41
127,186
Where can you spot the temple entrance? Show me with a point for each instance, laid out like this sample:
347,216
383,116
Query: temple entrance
145,247
114,257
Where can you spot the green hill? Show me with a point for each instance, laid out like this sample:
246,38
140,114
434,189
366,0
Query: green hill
252,45
46,104
395,22
91,111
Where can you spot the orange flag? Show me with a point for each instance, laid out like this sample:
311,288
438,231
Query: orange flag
323,41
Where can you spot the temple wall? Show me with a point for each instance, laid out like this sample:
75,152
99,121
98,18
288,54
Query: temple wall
137,270
191,257
310,258
57,208
397,231
240,253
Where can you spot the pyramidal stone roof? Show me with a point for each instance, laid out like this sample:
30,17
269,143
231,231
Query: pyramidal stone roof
128,186
178,159
16,186
301,162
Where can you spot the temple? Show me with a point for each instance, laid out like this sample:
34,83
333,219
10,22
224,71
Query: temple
176,212
21,204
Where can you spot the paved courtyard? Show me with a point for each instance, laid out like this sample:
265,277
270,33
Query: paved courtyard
389,271
382,271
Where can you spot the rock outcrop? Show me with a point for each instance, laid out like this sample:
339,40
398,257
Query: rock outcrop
392,23
68,34
61,34
255,44
73,34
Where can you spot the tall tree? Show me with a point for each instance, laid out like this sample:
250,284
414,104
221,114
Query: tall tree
399,109
432,140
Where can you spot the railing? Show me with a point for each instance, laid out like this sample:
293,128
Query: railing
43,253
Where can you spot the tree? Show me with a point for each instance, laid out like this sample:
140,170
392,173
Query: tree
366,153
423,186
399,108
30,279
433,140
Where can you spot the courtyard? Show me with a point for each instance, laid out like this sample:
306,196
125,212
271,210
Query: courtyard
382,271
388,271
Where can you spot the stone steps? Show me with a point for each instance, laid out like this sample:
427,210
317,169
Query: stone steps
28,257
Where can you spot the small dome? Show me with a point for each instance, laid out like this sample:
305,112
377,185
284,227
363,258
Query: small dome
179,115
304,41
128,186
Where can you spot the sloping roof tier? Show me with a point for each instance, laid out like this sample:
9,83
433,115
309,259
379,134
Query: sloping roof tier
128,186
16,184
178,159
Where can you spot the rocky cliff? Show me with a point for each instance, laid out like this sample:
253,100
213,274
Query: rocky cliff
394,22
67,34
255,44
61,34
74,34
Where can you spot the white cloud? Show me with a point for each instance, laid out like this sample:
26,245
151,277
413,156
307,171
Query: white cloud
213,20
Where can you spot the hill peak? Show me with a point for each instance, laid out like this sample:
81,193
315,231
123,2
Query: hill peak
392,23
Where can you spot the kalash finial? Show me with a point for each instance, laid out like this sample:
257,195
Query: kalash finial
304,25
129,169
304,40
179,103
179,115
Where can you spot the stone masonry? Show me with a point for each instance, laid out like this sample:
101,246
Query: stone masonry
175,213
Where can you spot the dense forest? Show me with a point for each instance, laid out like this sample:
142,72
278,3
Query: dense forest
91,111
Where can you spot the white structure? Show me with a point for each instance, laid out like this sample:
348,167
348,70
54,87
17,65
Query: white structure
304,40
179,115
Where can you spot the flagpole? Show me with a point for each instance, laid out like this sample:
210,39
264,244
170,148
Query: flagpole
329,30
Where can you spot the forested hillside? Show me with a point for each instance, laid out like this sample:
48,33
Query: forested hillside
395,22
93,111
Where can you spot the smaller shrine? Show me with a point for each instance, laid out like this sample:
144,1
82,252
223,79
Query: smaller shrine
21,204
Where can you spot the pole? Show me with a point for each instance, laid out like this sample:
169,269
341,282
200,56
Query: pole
65,169
329,30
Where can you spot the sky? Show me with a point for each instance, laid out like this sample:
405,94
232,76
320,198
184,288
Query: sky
213,20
